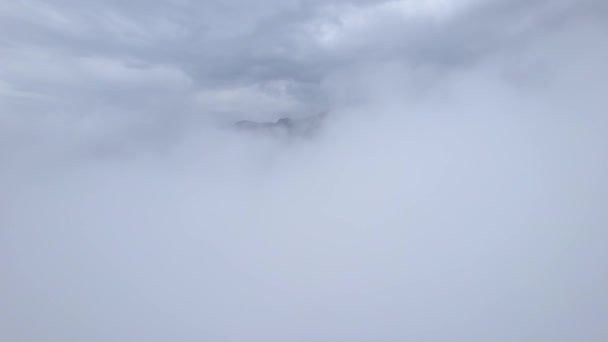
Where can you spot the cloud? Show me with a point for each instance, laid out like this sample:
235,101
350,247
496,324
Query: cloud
456,190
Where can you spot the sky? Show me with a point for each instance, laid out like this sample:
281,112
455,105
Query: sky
455,190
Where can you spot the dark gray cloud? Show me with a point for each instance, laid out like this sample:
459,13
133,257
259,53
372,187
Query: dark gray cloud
456,189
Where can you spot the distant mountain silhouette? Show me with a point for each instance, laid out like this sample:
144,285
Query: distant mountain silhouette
302,127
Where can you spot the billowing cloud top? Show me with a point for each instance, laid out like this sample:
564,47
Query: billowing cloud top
454,188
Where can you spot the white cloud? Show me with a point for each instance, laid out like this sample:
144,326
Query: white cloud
455,191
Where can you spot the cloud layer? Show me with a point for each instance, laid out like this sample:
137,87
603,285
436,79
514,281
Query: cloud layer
455,192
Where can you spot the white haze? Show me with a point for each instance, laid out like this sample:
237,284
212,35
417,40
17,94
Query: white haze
457,190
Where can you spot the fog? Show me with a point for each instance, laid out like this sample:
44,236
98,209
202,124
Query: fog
455,190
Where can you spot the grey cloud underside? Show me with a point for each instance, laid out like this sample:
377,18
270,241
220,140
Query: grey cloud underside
67,54
219,44
165,174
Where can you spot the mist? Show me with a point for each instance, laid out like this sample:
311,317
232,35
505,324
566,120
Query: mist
455,190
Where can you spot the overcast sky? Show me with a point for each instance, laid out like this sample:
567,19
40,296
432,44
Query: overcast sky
455,191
